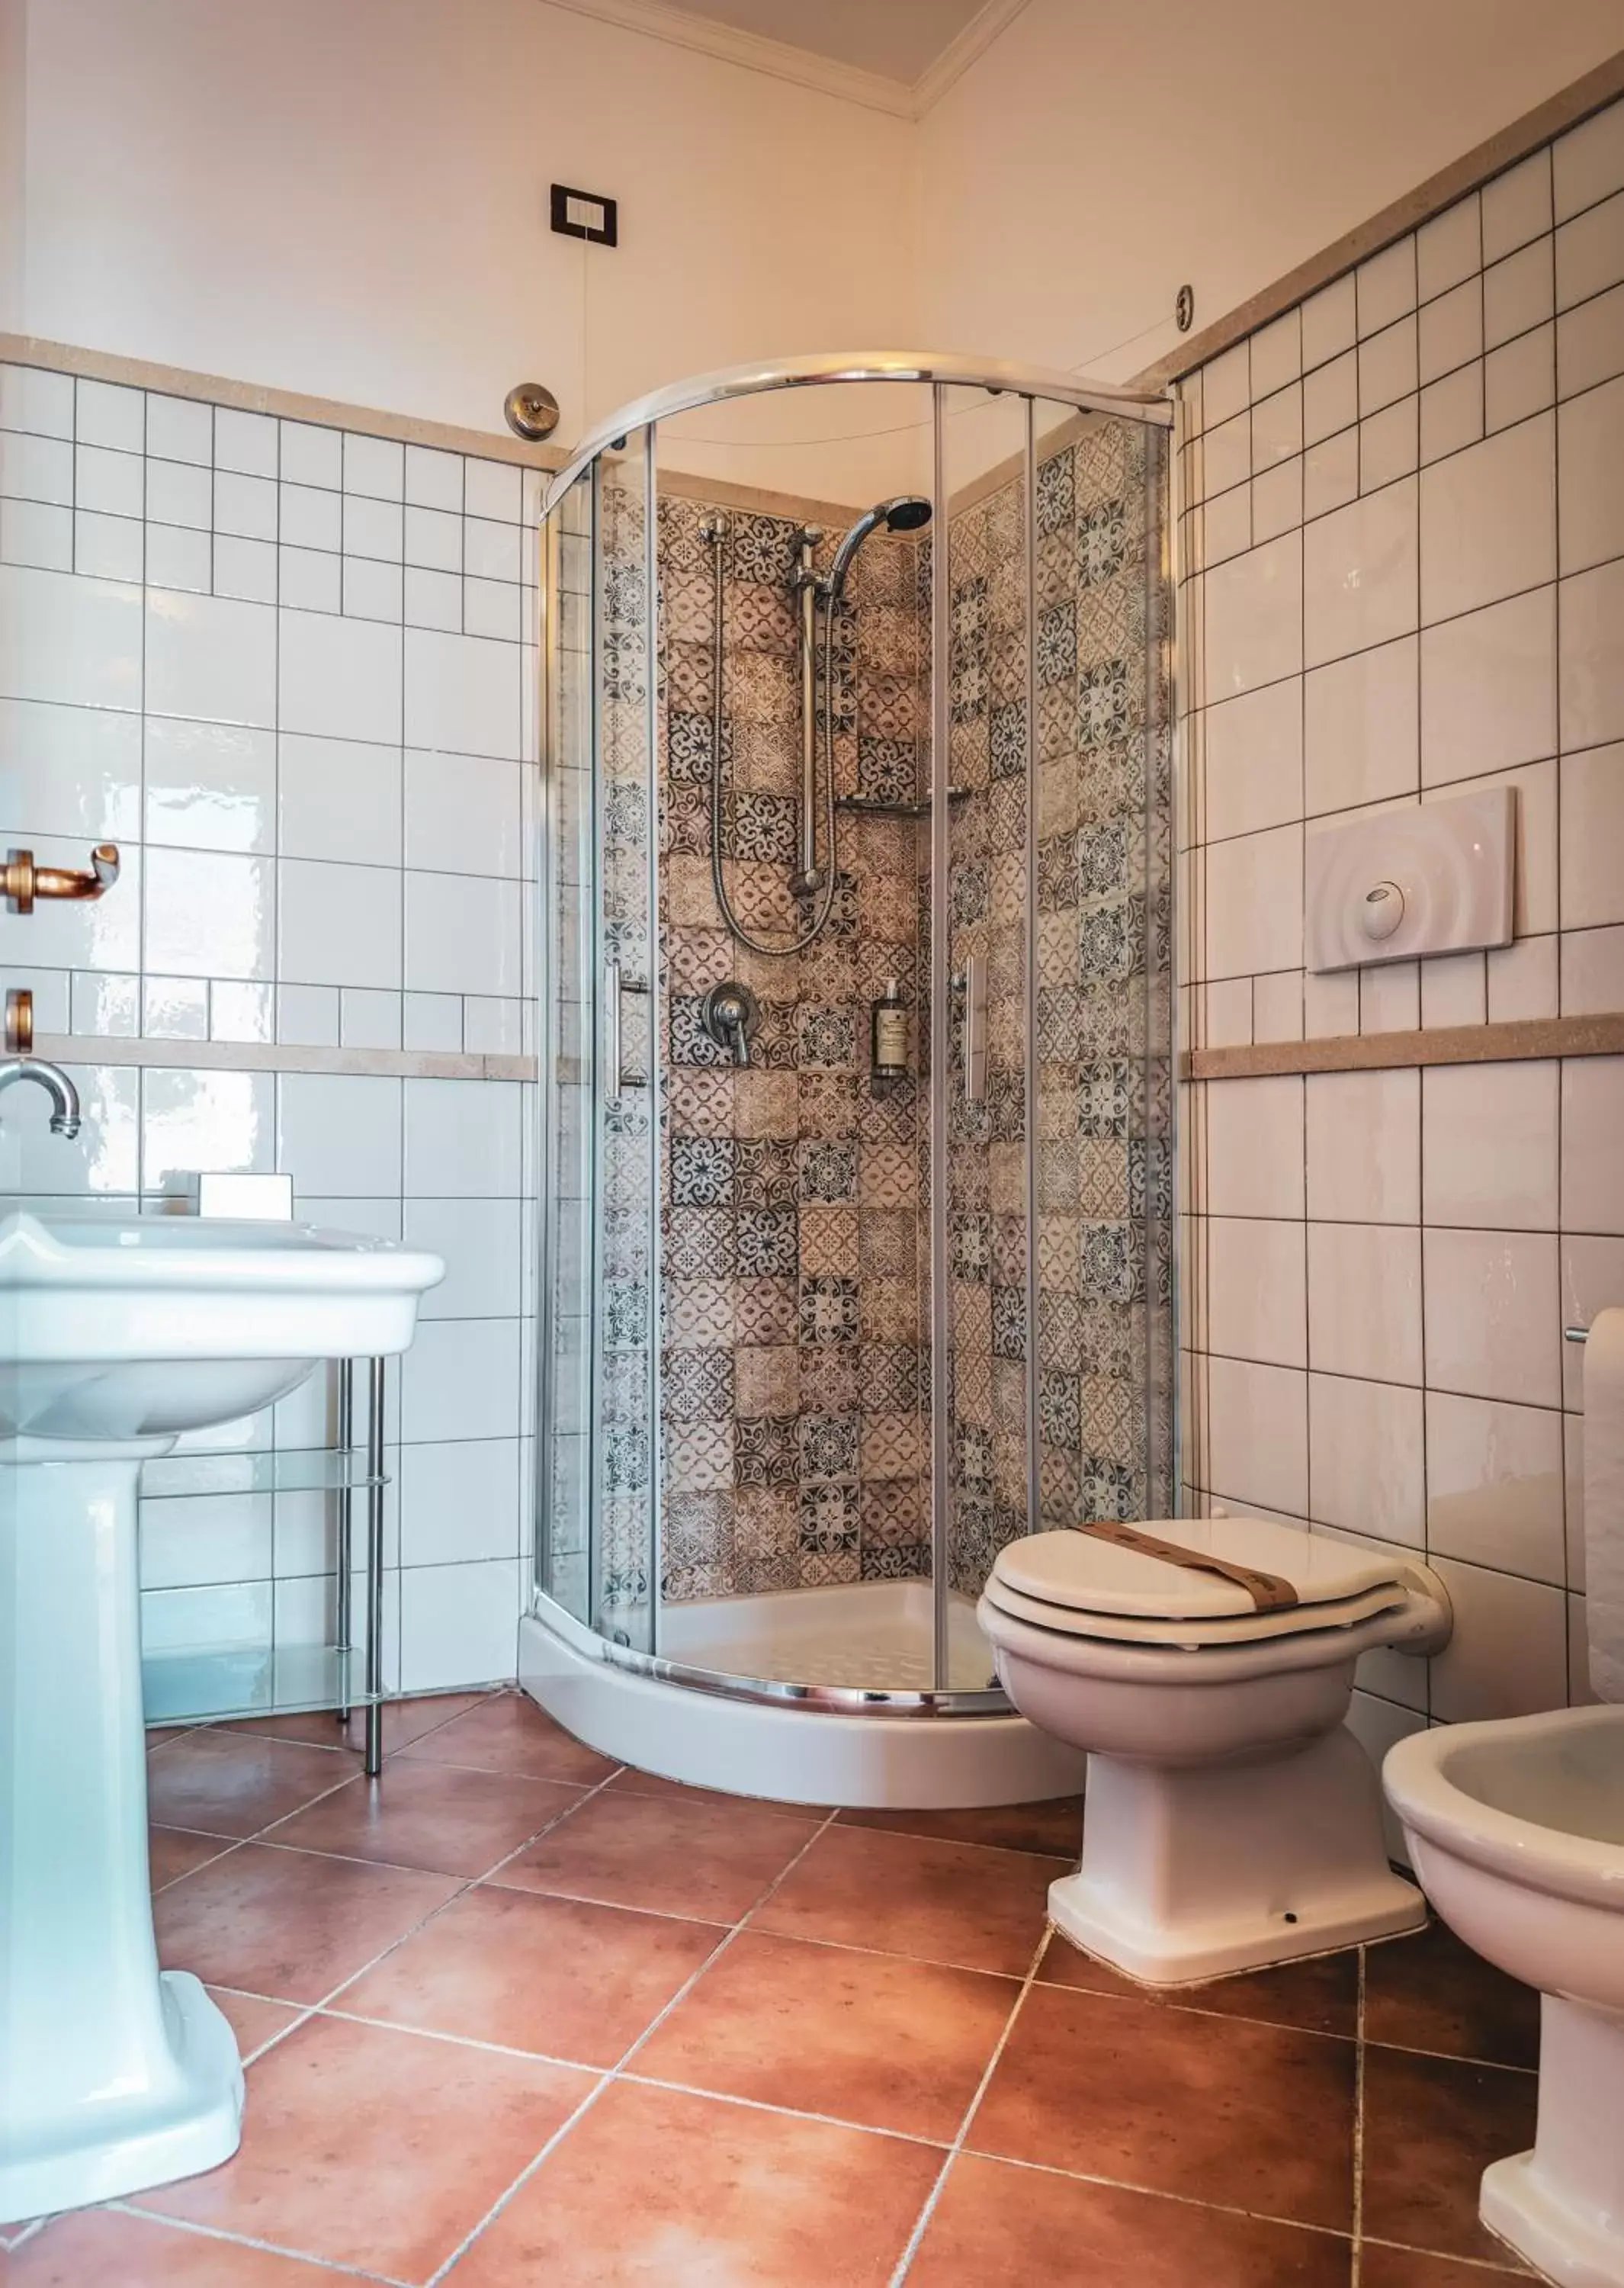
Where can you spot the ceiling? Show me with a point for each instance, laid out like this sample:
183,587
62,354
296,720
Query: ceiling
898,39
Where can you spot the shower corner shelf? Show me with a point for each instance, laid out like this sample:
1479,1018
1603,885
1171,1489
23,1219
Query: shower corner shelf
215,1685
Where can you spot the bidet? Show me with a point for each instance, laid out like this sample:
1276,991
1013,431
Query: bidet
116,1337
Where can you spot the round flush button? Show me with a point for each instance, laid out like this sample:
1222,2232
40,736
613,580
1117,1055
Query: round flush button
1383,909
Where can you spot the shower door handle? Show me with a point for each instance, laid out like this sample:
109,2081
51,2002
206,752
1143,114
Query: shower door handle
616,987
975,1028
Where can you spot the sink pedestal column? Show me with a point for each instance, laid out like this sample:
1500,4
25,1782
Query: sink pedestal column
114,2076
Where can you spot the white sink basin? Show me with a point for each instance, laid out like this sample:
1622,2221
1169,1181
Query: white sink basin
141,1329
115,1337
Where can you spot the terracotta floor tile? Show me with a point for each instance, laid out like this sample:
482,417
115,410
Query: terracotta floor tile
254,2020
1054,1829
557,1976
369,2147
404,1721
107,2248
509,1733
671,1855
1433,1992
1402,2267
1000,2227
1255,2118
444,1820
173,1852
229,1784
1319,1997
937,1902
867,2038
653,2188
1432,2126
286,1923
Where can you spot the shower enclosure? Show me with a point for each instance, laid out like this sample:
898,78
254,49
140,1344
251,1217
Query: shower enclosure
855,1057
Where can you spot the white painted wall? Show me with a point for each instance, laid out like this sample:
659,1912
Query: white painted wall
349,197
12,83
1098,156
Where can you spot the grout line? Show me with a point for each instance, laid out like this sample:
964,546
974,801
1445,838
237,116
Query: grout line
133,2208
932,2199
1358,2130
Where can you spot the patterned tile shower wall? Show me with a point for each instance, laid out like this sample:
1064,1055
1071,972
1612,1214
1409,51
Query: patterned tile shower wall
1098,1090
794,1442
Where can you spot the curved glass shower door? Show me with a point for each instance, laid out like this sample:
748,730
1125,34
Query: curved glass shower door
599,1475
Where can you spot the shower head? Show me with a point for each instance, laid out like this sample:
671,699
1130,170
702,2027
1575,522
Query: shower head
907,512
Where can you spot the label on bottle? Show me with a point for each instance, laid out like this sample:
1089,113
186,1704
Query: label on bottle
890,1038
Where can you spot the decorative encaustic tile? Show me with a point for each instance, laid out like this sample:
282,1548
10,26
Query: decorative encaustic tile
889,1377
893,1445
767,1243
698,1455
698,1384
830,1381
766,1176
701,1170
828,1310
700,1242
889,1309
697,1314
827,1169
766,1310
829,1241
829,1447
766,1450
888,1243
829,1520
1009,1321
766,1378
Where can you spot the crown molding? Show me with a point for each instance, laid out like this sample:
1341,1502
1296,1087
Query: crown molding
776,58
972,41
779,59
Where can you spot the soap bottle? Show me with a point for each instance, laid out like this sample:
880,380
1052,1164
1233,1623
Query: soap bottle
888,1034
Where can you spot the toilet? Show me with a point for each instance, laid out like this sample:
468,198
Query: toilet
1516,1827
1207,1665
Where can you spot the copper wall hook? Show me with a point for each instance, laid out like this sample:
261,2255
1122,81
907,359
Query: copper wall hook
21,881
19,1023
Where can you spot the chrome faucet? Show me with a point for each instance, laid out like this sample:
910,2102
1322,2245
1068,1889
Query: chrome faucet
64,1096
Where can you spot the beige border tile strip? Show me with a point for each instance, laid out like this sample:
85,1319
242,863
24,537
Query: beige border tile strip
259,1056
1559,112
285,404
1444,1045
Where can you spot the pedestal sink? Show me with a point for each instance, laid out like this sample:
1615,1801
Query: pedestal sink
115,1337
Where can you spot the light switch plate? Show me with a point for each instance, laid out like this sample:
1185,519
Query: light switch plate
1435,877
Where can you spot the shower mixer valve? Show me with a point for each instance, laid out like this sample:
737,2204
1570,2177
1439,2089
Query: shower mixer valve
730,1015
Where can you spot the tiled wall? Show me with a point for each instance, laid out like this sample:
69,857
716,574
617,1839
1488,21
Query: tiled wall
289,671
1405,534
794,1440
1099,1081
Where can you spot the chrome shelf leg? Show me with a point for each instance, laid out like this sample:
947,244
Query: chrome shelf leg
374,1571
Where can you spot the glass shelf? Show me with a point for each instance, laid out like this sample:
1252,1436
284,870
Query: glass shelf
202,1685
174,1477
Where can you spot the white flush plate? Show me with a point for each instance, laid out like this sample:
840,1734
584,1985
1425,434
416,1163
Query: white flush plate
1434,878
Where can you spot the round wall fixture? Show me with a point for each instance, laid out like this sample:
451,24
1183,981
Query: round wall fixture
531,411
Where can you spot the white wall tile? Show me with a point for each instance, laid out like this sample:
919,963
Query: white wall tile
32,398
369,1019
1591,657
1256,1420
339,924
1592,973
1450,330
432,1021
459,1623
1489,1146
339,798
1449,247
463,934
1507,1655
1488,520
210,786
462,694
340,679
1366,1454
1590,252
209,657
31,533
1255,903
1517,206
339,1135
480,1240
462,1140
460,1379
1330,399
1519,379
1256,1302
1589,160
1359,574
459,1503
222,1122
1364,1301
75,641
491,489
1519,293
114,484
1364,1146
1359,728
245,442
1495,1485
177,493
1590,343
1590,456
462,814
1254,1146
1450,413
1328,323
1593,1144
307,1015
209,913
72,771
181,429
1389,998
311,518
1491,1314
1489,689
1387,367
1523,980
1592,833
1384,286
433,479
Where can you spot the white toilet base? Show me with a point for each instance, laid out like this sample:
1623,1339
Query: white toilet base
1203,1870
112,2074
1562,2205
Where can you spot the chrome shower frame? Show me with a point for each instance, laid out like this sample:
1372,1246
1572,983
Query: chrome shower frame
942,374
